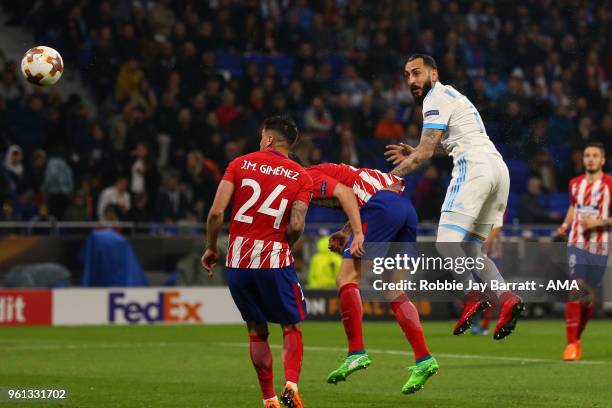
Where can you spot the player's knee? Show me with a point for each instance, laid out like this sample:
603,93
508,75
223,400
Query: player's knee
582,295
347,274
574,295
473,249
291,328
258,332
347,278
449,249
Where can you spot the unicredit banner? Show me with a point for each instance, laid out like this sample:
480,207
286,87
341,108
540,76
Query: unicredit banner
25,307
117,306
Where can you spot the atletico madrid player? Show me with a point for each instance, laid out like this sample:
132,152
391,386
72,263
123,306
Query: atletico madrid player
271,194
387,216
588,220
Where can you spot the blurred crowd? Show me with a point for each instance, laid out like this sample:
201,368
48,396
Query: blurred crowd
178,89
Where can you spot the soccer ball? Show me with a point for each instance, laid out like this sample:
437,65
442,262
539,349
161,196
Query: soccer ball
42,65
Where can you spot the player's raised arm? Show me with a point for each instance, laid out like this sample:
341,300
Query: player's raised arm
424,151
214,224
349,204
297,221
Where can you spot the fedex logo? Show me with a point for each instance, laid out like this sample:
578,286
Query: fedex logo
167,308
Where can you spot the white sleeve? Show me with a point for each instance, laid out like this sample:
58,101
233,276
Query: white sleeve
103,201
436,112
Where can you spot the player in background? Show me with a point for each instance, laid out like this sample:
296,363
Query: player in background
270,195
478,193
387,216
588,221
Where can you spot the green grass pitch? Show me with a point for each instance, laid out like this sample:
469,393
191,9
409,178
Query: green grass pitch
208,366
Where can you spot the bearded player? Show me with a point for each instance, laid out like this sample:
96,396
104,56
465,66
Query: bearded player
588,221
478,192
271,194
387,216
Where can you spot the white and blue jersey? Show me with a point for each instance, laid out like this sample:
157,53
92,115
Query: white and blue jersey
480,184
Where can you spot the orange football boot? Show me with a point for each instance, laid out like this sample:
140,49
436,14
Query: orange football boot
290,398
572,352
273,403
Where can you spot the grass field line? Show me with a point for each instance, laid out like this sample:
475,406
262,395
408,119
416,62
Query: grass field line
86,346
136,345
442,355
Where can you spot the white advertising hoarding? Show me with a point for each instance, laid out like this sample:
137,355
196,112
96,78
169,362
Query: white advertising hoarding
99,306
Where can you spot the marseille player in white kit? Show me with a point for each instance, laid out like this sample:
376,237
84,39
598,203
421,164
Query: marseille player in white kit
477,195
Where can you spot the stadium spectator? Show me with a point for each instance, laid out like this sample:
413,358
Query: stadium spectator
203,175
429,195
95,150
542,166
365,118
388,127
348,153
43,216
77,211
172,203
161,17
129,79
13,167
144,176
58,185
227,112
8,212
139,212
317,118
324,266
351,83
531,205
114,201
604,134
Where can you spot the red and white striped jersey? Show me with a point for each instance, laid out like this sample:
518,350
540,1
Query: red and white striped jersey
364,182
266,183
590,199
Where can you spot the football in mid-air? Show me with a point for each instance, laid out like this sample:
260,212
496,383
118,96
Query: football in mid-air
42,65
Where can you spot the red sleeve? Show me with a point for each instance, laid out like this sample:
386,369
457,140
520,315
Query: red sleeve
230,172
305,193
571,194
322,185
609,179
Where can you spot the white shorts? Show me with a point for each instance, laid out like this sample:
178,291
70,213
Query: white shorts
479,188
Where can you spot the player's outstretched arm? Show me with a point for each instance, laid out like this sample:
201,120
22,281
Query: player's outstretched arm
347,200
396,153
297,220
424,151
214,224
